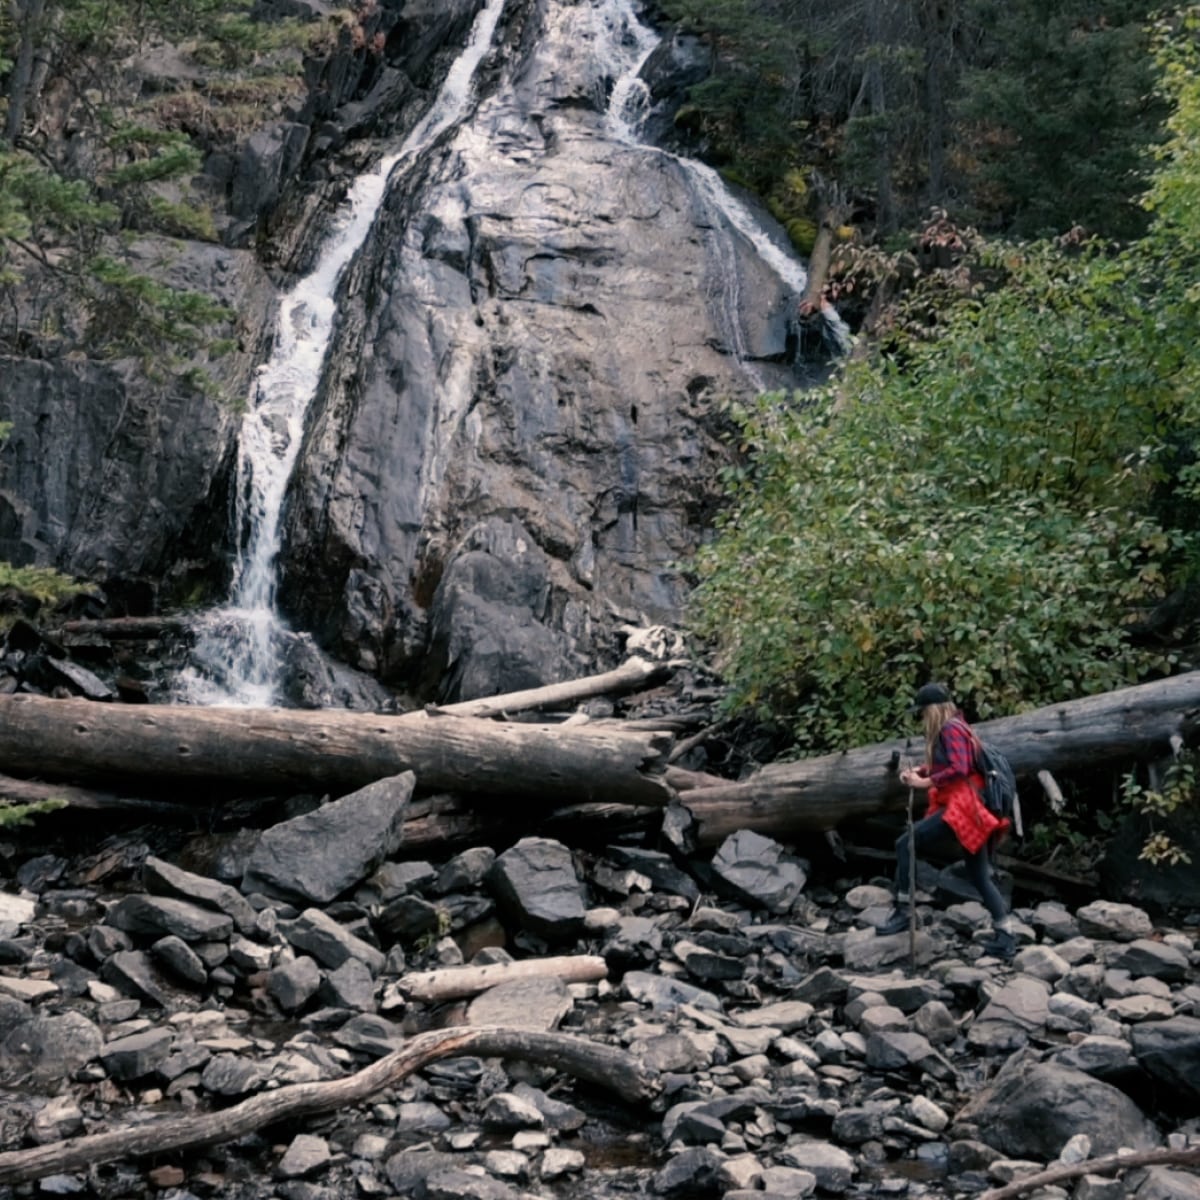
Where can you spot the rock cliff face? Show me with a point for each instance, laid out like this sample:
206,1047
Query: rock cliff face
515,440
108,474
515,443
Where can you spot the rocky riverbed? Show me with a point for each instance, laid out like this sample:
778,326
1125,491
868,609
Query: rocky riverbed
797,1051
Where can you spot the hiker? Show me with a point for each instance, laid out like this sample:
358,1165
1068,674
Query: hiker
956,814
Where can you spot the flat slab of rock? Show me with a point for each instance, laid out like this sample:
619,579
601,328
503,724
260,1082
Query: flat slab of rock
162,878
159,915
29,990
16,910
535,1004
786,1015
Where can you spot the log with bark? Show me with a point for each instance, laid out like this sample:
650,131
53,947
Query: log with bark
559,767
604,1065
273,748
454,983
123,628
632,674
817,794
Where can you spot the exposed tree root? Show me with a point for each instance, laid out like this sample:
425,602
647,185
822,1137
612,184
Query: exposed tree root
1095,1166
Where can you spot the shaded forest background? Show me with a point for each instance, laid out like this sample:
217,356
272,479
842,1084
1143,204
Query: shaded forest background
1013,117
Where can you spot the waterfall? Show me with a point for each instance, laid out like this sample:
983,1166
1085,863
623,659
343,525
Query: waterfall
237,655
633,43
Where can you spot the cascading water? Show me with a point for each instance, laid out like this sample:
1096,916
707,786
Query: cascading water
236,659
632,44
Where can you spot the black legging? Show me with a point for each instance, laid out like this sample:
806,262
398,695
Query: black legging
932,833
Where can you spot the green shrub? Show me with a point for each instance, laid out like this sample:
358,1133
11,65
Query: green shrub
979,507
14,815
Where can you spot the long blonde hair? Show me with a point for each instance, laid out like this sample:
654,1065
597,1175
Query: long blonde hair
934,718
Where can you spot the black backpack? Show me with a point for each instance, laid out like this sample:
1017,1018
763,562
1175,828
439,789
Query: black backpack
999,785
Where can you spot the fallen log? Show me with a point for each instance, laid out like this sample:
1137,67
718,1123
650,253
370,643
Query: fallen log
1107,1165
632,674
27,791
270,748
595,1062
453,983
120,628
816,794
833,215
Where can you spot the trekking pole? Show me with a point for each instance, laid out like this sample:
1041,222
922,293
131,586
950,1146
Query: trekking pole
912,878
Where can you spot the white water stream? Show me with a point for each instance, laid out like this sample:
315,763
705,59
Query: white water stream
632,44
237,656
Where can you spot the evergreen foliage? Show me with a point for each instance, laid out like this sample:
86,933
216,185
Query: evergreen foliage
1059,108
68,205
1026,119
985,504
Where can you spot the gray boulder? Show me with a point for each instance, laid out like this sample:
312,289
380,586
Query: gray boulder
267,161
1113,921
1032,1109
1145,957
1170,1052
756,871
329,943
44,1051
294,983
136,1056
323,853
534,882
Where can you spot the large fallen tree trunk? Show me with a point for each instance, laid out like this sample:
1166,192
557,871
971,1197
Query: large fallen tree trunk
821,793
81,741
595,1062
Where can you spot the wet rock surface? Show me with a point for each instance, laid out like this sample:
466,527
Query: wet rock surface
520,432
790,1062
519,429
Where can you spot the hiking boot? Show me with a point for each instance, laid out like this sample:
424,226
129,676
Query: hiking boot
896,923
1000,945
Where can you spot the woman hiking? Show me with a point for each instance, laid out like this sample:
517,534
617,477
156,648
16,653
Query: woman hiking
956,818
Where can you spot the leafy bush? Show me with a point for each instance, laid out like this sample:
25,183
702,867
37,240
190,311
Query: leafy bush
1177,788
14,815
985,504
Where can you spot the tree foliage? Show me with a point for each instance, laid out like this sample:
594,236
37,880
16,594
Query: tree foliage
1017,117
996,504
1058,110
88,163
